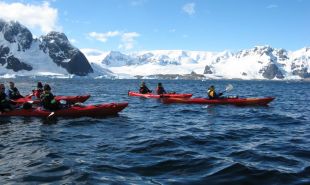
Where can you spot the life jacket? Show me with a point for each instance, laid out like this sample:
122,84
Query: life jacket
47,97
48,101
212,94
37,92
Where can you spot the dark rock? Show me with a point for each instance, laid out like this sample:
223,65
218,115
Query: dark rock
244,74
282,55
207,70
14,64
267,50
15,32
4,51
2,23
271,71
2,61
64,54
77,65
303,73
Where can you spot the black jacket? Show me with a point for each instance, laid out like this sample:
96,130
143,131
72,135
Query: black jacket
144,90
14,94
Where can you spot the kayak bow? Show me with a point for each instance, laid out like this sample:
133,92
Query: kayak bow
99,110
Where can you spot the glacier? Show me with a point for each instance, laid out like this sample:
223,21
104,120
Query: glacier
259,63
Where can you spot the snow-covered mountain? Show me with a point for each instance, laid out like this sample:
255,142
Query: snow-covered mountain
53,55
49,55
261,62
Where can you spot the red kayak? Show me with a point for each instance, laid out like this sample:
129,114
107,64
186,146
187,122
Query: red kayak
100,110
69,99
221,101
150,95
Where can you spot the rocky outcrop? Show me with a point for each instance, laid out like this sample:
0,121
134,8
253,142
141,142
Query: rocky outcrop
14,64
300,65
15,32
207,70
300,70
282,55
271,71
116,58
64,54
4,51
56,46
303,73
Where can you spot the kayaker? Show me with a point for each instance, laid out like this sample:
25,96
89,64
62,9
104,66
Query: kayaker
5,105
38,91
160,89
48,100
143,89
212,93
13,92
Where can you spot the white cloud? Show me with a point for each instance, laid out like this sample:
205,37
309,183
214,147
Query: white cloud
127,39
272,6
103,37
189,8
40,16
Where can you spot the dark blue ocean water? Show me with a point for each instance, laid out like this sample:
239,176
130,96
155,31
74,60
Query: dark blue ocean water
153,143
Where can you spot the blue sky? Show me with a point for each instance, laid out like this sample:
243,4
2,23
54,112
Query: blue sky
131,25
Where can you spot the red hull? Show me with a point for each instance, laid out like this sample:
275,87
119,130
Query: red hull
222,101
150,95
69,99
100,110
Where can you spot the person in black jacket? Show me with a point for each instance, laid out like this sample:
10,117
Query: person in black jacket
48,100
4,101
13,92
160,89
143,89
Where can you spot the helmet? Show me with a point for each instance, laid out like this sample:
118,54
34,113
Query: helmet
211,87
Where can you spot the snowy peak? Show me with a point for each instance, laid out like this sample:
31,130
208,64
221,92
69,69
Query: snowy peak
300,64
265,58
13,32
260,62
116,59
20,54
64,54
